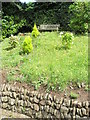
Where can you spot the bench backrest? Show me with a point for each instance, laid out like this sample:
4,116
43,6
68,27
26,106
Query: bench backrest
49,27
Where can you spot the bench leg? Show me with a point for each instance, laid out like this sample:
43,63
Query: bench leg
57,29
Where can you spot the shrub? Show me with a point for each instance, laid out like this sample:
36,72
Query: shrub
73,95
9,26
35,31
27,45
79,18
14,41
67,39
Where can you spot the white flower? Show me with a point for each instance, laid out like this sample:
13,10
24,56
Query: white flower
29,60
72,34
61,33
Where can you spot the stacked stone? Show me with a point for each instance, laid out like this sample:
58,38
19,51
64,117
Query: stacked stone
80,109
37,105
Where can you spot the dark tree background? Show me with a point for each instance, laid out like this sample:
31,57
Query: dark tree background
25,15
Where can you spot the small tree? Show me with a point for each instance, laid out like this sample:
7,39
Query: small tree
35,31
67,39
27,45
79,19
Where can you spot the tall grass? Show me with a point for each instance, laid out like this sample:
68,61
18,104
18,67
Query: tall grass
49,63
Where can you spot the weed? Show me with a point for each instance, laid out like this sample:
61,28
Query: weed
74,95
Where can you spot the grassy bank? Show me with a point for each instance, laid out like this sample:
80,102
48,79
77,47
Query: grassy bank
49,63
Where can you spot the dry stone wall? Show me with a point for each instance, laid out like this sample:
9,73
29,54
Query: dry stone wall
37,105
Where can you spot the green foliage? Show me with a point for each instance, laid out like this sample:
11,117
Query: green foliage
27,45
9,26
47,65
87,88
35,31
79,19
14,41
67,39
74,95
52,13
42,13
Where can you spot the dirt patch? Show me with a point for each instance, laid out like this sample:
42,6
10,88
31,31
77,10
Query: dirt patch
3,76
10,114
83,95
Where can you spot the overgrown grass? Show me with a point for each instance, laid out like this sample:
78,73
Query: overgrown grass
49,63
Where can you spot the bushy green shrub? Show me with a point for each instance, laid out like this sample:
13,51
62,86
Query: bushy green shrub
9,26
67,39
79,17
27,45
35,31
14,41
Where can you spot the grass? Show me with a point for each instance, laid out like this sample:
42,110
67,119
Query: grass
49,63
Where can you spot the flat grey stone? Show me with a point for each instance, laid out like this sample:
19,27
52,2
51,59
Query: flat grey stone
86,104
25,103
10,94
31,99
4,105
36,100
41,107
28,103
79,104
79,112
50,97
39,115
46,96
49,102
77,116
62,115
11,101
63,109
21,103
84,111
66,103
47,108
4,99
42,102
5,93
16,101
14,94
36,107
74,111
58,106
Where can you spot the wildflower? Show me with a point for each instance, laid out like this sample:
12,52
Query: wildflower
61,33
72,34
29,60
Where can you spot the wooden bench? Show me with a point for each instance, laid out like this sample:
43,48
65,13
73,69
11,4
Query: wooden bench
48,27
